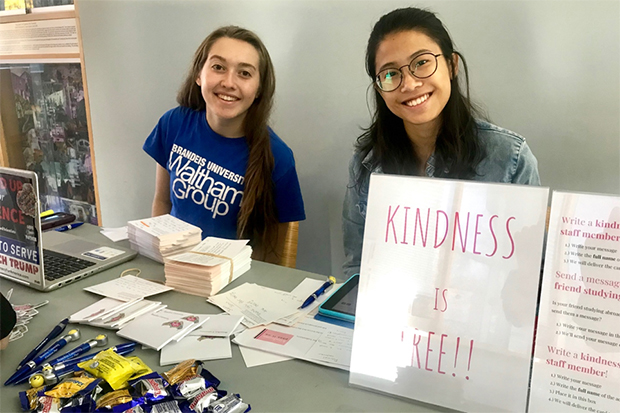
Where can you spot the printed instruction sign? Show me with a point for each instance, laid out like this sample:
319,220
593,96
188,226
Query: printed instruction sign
577,357
447,295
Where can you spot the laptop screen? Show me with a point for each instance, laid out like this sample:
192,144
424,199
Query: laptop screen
19,226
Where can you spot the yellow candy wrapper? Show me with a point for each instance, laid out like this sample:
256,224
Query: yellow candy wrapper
140,367
112,367
69,387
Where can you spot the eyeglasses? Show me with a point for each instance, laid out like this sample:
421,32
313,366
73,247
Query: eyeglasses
422,66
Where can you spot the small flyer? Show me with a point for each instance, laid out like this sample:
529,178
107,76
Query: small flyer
577,356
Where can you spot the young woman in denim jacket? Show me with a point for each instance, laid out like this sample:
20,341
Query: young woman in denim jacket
423,124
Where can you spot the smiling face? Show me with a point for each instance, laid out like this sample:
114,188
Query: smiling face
229,83
418,102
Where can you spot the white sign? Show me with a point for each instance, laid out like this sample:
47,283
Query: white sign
447,295
39,37
577,357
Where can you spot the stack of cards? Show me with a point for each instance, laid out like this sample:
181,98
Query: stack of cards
208,267
211,341
114,314
162,236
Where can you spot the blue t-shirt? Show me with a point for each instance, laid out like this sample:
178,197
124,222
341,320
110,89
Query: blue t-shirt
207,172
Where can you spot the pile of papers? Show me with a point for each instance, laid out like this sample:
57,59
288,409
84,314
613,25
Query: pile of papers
162,236
208,267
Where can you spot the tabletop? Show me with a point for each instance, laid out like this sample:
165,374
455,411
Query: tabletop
288,386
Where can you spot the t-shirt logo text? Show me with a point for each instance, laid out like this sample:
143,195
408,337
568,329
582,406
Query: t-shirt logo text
199,181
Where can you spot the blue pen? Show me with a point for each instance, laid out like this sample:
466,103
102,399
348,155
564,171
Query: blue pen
70,365
100,340
27,368
60,368
330,281
68,227
52,335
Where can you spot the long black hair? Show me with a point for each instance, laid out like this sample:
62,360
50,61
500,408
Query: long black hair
385,143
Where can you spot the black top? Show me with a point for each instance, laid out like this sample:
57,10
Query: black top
7,317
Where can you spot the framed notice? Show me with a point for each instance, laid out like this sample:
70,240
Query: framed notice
447,294
577,356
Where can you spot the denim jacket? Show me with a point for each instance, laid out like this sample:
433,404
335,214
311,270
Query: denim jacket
508,160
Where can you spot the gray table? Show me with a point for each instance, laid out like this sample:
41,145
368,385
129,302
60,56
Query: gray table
290,386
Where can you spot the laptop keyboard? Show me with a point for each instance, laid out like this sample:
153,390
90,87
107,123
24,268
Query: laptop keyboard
57,265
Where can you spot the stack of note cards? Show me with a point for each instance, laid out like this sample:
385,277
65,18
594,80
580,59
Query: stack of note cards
208,267
211,341
162,236
114,314
161,327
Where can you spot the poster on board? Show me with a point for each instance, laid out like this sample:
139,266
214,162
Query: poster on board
577,356
448,288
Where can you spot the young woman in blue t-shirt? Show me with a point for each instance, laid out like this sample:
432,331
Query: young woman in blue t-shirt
423,124
220,166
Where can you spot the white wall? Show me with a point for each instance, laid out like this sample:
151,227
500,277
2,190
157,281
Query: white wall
549,70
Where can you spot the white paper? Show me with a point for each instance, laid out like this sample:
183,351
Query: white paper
128,288
253,357
115,234
306,288
577,356
212,245
196,347
310,340
257,304
163,225
218,325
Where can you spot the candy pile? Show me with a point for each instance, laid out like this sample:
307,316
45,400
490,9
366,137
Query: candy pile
113,383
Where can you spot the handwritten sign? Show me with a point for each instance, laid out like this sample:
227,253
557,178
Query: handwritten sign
447,295
577,356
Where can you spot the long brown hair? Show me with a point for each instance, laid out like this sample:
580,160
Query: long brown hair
257,218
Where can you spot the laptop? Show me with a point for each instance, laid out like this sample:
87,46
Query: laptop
44,260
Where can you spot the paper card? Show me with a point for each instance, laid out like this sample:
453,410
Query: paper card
212,245
257,304
253,357
218,325
128,288
310,340
115,234
447,292
163,225
196,347
577,356
157,329
118,318
101,307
